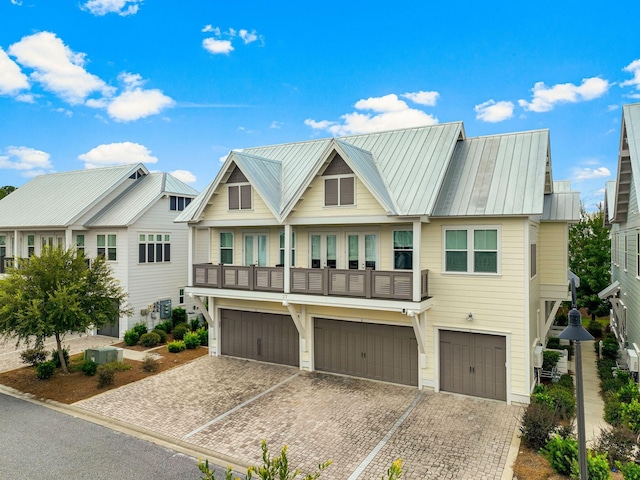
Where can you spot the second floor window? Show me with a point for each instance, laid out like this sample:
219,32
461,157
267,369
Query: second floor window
226,248
239,197
154,248
178,203
293,249
403,250
107,247
339,191
483,258
80,244
31,245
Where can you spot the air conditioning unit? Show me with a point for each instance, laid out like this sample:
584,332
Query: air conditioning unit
104,354
537,356
632,360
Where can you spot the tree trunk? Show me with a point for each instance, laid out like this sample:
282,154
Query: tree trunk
63,364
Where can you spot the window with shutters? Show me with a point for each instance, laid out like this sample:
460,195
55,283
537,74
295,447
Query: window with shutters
339,191
240,197
154,248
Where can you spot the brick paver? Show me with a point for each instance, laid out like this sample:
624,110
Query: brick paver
320,417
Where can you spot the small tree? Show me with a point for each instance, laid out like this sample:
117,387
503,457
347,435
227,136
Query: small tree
6,190
58,293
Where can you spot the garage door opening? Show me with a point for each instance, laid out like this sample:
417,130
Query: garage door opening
259,336
473,364
381,352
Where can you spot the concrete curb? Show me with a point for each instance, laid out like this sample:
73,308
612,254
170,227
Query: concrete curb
512,455
165,441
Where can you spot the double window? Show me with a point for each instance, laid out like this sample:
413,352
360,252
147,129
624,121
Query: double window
107,247
80,244
293,249
226,248
154,248
471,250
240,197
403,249
178,203
31,245
339,191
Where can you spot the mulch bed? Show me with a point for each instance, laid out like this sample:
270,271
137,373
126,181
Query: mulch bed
77,386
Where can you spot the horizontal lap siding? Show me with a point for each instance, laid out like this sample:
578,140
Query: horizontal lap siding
218,208
553,253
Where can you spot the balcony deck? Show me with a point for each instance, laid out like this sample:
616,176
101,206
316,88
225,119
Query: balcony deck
388,285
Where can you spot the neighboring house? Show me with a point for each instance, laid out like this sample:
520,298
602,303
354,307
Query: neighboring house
125,213
414,256
621,213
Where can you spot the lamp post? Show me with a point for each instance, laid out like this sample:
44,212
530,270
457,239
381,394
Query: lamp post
576,332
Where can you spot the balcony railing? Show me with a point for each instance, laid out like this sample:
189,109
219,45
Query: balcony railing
5,264
393,285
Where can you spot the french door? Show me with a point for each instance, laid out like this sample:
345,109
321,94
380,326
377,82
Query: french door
362,250
324,250
255,249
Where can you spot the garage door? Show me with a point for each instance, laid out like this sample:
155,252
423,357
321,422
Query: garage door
260,336
473,364
380,352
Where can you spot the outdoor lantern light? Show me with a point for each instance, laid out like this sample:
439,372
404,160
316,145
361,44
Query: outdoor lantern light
576,332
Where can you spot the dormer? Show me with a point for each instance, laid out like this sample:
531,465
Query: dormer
238,191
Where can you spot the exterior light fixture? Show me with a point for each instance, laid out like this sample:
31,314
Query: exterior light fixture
470,317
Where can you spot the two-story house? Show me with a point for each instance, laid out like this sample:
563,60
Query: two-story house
125,213
622,214
415,256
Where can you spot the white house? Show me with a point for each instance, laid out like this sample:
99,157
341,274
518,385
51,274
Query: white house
125,213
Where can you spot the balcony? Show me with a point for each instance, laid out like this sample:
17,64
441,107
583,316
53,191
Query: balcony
387,285
5,264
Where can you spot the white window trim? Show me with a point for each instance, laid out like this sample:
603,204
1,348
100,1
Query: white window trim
470,250
393,250
359,232
355,190
531,263
233,247
626,251
323,252
239,209
294,241
255,247
106,246
146,242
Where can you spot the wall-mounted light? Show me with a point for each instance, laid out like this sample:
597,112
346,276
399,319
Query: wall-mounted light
411,313
285,303
470,317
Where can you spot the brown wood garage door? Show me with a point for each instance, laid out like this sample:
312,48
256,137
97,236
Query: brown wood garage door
260,336
380,352
473,364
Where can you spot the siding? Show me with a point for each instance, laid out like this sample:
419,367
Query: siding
202,246
553,253
218,208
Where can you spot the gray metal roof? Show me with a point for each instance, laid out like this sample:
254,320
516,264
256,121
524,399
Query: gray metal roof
59,199
609,200
138,198
496,175
561,206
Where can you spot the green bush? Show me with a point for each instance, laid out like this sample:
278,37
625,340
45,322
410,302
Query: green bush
141,328
561,453
612,384
45,370
131,337
149,363
628,392
624,377
630,470
180,330
194,323
150,339
595,328
203,333
34,356
178,315
610,347
550,359
176,346
566,381
106,375
117,366
539,421
561,319
612,409
191,340
161,333
631,415
563,400
89,368
616,443
597,467
605,368
553,342
167,326
56,359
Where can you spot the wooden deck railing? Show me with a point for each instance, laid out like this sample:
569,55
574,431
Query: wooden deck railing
392,285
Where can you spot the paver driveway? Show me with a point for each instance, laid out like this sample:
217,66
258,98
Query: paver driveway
229,405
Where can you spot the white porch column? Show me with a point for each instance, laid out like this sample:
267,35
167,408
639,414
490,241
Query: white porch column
287,257
215,342
68,240
190,246
15,247
417,244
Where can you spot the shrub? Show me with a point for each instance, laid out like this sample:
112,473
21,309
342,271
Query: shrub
566,381
563,400
178,316
117,366
203,333
131,337
180,330
605,368
194,323
89,368
176,346
55,358
611,385
561,319
561,453
106,375
616,443
149,363
539,421
630,470
192,340
161,333
595,328
631,415
610,347
167,326
550,359
150,339
34,356
141,328
624,377
628,392
612,409
45,370
553,342
597,467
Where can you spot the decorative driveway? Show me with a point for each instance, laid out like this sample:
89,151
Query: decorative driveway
228,405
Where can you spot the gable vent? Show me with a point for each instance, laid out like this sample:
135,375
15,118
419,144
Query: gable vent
337,167
237,176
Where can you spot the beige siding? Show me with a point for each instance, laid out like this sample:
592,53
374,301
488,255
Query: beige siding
218,208
312,203
202,246
553,253
536,307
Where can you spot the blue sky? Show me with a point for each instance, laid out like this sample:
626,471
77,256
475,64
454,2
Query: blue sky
177,85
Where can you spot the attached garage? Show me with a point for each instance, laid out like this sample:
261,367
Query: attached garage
381,352
473,364
259,336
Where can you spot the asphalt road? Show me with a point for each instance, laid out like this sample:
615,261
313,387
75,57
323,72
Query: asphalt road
37,442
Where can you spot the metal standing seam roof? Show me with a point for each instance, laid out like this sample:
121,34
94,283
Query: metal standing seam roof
610,199
561,207
137,199
58,199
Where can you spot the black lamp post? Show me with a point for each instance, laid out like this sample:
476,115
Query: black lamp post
576,332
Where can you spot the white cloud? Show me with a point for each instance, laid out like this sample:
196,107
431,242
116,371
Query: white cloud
389,113
30,161
184,175
215,46
545,98
611,108
57,67
103,7
427,99
209,28
117,154
12,80
276,124
633,68
17,2
248,37
492,111
580,174
135,102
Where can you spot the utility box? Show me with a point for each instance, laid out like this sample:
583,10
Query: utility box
537,356
104,354
165,309
632,360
